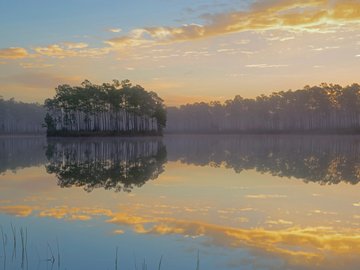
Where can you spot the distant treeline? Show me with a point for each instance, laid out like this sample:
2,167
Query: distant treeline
19,117
108,109
324,108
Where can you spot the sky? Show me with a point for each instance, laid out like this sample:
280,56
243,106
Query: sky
186,51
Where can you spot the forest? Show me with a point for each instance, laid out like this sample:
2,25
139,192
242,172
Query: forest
19,117
120,108
117,108
327,108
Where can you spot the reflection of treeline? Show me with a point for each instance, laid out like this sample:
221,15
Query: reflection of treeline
321,159
19,117
106,109
108,163
21,152
312,109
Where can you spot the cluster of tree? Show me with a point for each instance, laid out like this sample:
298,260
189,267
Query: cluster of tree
110,108
320,159
326,107
109,164
19,117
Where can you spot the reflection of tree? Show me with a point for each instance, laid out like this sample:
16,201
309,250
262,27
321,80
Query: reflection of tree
321,159
109,163
21,152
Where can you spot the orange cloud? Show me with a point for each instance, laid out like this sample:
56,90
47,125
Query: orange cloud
16,210
298,245
14,53
71,50
308,15
74,213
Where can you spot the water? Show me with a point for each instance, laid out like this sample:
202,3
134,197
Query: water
223,202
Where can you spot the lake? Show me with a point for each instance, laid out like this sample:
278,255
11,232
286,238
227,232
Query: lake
185,202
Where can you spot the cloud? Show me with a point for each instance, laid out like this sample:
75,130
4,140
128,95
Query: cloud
307,15
115,30
71,50
265,66
16,210
14,53
74,45
306,246
74,213
279,222
35,65
265,196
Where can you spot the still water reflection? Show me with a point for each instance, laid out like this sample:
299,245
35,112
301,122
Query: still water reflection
243,202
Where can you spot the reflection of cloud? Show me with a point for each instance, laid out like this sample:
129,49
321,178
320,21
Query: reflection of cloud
308,15
299,245
302,246
16,210
74,213
126,219
13,53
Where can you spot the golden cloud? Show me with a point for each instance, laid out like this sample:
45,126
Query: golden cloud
320,246
76,45
74,213
308,15
310,245
13,53
16,210
71,50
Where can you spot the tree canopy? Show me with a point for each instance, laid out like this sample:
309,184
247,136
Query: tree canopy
117,107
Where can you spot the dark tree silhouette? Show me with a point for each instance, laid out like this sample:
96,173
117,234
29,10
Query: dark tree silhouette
107,109
110,164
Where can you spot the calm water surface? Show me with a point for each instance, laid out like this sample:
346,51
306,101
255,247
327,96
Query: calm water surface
225,202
